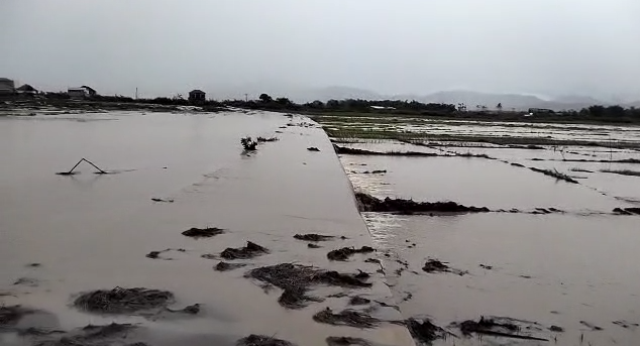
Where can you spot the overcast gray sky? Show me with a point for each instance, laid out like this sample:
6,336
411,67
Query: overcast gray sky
549,47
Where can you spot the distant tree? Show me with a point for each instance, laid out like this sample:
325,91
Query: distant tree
333,104
283,101
616,111
499,107
266,98
462,107
596,111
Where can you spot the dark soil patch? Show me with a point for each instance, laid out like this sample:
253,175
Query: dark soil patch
346,341
248,251
226,266
625,324
627,211
34,265
203,232
296,279
154,254
313,149
503,327
369,203
190,309
248,144
346,252
10,315
346,318
112,334
270,139
515,164
377,171
436,266
262,340
313,246
359,301
123,300
487,267
425,331
313,237
30,282
556,329
372,260
162,200
590,326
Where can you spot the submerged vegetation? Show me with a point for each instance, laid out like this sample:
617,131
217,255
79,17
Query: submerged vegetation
555,174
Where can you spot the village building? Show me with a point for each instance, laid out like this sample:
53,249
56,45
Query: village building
197,96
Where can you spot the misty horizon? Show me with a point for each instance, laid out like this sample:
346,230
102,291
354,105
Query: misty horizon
544,48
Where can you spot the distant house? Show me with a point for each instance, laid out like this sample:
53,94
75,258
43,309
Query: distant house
27,90
92,92
77,93
7,86
197,96
540,111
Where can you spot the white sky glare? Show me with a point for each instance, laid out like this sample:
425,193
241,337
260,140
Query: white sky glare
549,47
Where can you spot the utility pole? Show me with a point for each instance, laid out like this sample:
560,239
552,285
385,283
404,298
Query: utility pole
246,97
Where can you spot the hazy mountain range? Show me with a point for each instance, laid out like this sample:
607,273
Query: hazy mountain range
471,99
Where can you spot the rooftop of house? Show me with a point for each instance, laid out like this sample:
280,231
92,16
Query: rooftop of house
196,91
26,87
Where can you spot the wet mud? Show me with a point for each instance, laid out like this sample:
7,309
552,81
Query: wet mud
226,266
10,315
250,250
343,254
113,334
348,318
501,327
627,211
347,341
262,340
423,330
123,300
402,206
357,300
313,237
436,266
203,232
296,280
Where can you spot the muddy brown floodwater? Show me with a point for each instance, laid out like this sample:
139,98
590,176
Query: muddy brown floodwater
93,232
569,276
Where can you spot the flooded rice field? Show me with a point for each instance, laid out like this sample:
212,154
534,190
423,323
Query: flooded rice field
190,237
551,262
162,249
469,128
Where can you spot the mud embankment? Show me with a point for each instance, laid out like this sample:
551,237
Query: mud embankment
402,206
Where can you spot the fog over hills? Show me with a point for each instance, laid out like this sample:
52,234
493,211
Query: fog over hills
471,99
